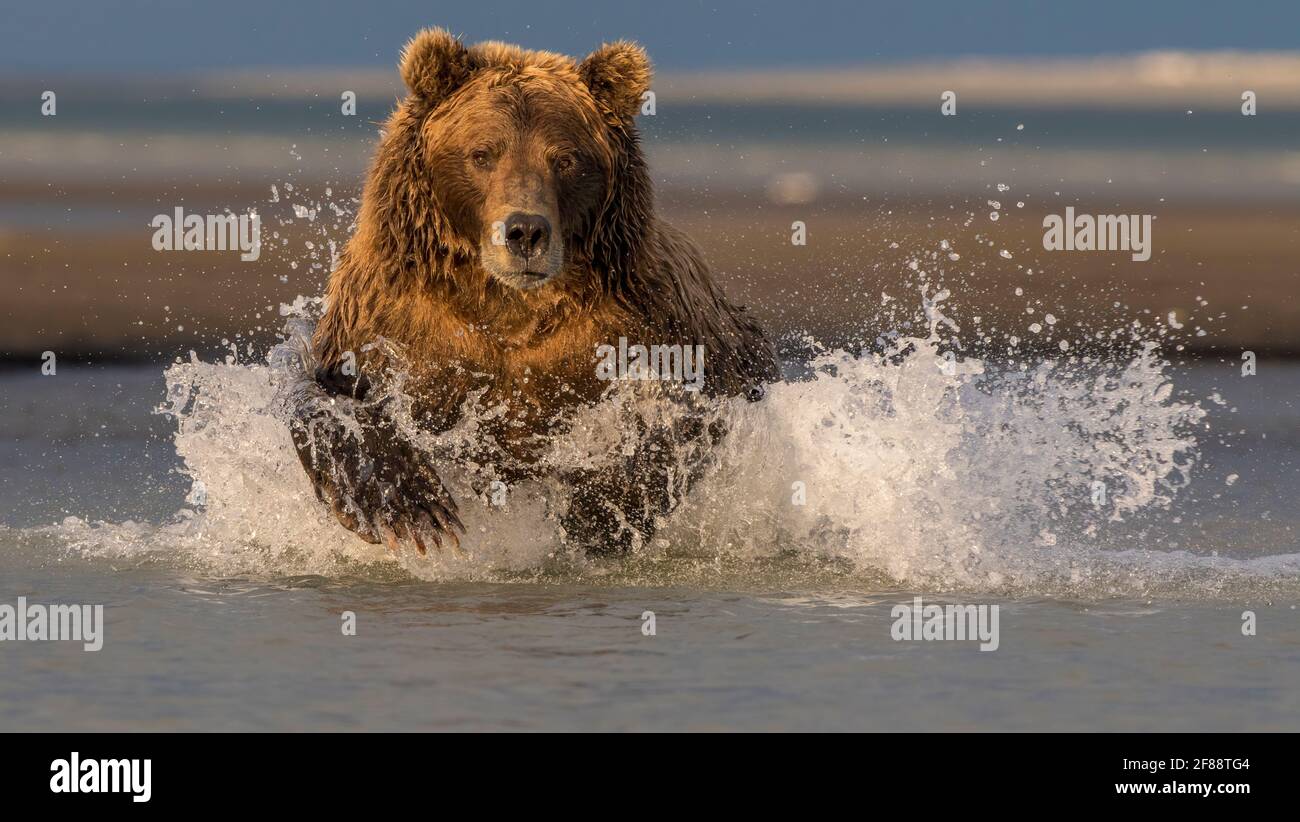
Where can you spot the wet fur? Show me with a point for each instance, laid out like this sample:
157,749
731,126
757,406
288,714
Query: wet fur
412,273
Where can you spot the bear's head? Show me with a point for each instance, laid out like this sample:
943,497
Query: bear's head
523,165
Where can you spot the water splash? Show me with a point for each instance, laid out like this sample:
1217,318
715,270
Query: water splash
904,467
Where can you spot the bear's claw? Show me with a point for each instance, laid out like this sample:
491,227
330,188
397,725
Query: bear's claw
377,483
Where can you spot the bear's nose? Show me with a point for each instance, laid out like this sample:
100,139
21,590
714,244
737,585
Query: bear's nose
527,235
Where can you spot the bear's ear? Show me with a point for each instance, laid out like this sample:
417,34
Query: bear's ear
617,74
434,64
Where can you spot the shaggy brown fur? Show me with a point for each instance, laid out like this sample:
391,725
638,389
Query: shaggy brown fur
487,133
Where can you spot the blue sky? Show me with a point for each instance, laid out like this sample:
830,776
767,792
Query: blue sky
148,35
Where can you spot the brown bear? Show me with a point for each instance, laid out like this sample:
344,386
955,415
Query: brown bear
506,232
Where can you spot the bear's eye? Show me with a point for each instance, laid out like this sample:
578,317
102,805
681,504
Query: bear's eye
564,162
481,157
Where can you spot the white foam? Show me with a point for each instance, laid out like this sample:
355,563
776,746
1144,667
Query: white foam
917,469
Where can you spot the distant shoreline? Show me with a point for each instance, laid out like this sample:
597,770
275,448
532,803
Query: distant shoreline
1153,79
1234,272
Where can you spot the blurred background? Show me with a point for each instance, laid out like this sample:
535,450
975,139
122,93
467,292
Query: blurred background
766,113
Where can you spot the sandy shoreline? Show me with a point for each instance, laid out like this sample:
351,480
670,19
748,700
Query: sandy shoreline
102,292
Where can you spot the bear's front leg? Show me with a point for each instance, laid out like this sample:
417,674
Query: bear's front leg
617,509
614,512
378,483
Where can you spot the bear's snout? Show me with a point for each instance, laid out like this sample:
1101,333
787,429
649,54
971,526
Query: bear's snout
527,235
522,250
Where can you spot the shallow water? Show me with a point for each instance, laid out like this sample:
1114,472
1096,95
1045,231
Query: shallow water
228,615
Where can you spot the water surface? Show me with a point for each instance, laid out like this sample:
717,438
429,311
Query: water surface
218,636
